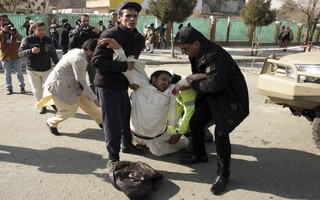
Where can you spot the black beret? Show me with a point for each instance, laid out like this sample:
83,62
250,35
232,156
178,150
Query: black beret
126,4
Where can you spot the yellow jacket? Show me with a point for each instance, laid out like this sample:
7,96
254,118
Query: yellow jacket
9,51
185,108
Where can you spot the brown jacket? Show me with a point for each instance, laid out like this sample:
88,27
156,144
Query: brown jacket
9,51
150,36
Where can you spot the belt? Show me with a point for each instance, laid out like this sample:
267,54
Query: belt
149,138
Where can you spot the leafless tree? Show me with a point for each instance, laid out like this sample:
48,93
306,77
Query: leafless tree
62,4
10,5
30,6
290,11
311,9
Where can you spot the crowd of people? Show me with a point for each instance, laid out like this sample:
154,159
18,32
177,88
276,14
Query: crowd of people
166,112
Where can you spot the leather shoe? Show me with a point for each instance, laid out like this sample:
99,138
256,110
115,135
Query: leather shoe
194,159
111,164
9,92
219,185
53,130
23,91
128,147
54,107
42,110
101,126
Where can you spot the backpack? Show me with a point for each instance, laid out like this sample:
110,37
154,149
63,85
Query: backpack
136,179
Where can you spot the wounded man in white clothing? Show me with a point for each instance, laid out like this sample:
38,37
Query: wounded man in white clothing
154,108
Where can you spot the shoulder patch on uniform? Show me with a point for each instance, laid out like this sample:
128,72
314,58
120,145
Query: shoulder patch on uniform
208,69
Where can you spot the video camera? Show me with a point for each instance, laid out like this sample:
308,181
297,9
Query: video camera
53,28
84,31
11,27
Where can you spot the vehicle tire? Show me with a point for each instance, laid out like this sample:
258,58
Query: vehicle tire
316,130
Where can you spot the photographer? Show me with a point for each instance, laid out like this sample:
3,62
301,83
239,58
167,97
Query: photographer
26,25
9,54
82,32
39,51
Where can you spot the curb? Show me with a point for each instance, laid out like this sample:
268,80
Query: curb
237,60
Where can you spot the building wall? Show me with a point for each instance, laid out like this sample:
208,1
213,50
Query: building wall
105,6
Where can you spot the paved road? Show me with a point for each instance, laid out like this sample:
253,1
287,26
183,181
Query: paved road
273,156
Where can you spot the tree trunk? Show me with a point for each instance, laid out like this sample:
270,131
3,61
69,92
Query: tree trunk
258,40
253,39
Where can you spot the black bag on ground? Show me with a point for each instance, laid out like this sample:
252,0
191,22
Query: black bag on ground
135,179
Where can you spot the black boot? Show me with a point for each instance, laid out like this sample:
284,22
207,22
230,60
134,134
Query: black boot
219,185
112,160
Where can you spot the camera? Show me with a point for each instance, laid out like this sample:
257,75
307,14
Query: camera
37,45
85,31
53,28
12,28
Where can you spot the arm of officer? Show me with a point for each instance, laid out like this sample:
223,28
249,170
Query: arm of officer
216,75
102,57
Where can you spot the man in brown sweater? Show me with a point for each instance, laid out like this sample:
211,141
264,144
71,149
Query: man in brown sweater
9,53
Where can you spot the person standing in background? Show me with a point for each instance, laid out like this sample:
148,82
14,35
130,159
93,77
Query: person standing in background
81,33
39,50
150,38
9,54
26,25
101,26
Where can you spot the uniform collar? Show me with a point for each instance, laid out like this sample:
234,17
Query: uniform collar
200,58
126,30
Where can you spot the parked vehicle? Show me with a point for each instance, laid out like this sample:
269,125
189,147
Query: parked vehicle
293,81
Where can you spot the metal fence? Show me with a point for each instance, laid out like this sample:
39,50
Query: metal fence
238,30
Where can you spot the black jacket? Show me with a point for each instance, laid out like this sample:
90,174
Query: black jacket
224,86
41,61
79,35
108,71
63,39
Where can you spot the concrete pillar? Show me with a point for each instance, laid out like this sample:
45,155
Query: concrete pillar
213,28
298,38
168,34
276,32
250,33
228,28
114,18
317,33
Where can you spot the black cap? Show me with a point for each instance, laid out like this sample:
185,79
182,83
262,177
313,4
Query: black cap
126,4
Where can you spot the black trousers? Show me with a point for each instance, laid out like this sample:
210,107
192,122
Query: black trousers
115,109
163,41
199,119
64,49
